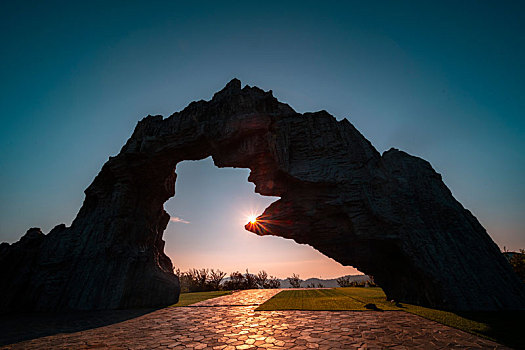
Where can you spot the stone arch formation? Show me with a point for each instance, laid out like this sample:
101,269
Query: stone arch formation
390,215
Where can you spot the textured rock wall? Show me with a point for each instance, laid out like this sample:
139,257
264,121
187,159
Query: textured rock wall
389,215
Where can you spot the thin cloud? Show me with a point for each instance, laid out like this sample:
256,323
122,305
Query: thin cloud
177,219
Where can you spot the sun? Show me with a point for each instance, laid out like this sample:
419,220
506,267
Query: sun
252,219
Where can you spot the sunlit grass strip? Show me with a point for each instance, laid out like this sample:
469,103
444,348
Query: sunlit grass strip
349,299
186,299
503,327
312,299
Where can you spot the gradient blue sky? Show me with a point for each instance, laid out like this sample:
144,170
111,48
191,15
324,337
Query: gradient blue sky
441,80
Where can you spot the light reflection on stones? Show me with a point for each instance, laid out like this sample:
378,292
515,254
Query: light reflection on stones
231,323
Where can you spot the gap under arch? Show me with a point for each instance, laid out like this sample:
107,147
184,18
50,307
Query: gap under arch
208,214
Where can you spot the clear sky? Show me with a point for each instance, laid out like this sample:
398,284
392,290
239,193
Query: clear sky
441,80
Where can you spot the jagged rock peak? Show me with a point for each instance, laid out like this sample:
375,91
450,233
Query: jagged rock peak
32,234
232,88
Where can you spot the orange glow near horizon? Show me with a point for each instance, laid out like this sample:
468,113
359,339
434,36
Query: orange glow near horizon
213,226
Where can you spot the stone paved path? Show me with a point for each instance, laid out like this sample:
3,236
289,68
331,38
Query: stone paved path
217,324
252,297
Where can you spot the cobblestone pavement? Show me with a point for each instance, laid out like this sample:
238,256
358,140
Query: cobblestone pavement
216,324
252,297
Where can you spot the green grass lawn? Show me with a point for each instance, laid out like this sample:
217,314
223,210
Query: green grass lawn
186,299
503,327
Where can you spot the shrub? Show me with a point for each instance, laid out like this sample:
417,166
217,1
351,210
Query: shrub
517,260
272,283
250,280
295,281
262,279
344,281
200,277
215,278
236,281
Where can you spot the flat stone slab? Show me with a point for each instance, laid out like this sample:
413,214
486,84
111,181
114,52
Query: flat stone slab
211,325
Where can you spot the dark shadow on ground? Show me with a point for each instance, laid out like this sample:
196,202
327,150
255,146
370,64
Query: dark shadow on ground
20,327
506,327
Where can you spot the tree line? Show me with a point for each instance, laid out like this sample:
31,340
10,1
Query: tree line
346,281
201,280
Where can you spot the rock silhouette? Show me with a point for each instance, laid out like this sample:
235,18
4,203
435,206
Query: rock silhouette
391,216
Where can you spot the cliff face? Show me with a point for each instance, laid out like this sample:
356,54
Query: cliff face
389,215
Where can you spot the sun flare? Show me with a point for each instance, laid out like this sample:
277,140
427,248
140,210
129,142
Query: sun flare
252,219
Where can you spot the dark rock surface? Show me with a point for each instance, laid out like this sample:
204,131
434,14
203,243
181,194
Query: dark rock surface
389,215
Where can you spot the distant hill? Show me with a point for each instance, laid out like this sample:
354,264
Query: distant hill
328,283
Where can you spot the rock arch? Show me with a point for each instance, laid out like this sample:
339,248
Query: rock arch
389,215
